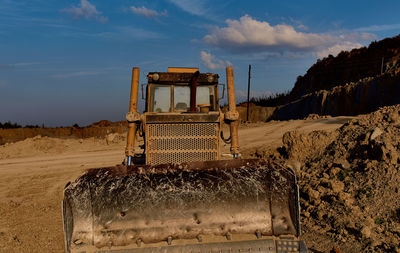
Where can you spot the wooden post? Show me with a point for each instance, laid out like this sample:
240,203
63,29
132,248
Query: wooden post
248,95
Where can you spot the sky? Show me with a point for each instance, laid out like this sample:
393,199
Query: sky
65,62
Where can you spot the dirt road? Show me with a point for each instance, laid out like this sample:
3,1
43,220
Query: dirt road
33,176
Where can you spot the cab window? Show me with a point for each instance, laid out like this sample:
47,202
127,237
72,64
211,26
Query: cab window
181,98
205,95
160,98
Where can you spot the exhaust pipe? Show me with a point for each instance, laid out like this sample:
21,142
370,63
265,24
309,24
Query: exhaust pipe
133,116
232,116
193,92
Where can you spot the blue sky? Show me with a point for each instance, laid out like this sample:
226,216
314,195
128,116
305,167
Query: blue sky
66,62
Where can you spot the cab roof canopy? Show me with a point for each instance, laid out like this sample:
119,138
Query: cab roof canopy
181,75
182,70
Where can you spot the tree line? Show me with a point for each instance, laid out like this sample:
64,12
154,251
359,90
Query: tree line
9,125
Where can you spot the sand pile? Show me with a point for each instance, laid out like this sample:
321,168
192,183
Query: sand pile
350,183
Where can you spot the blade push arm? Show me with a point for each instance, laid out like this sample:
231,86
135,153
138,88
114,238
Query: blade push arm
232,116
133,116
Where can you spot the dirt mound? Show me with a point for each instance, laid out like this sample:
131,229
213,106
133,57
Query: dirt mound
107,123
98,130
349,183
43,145
313,116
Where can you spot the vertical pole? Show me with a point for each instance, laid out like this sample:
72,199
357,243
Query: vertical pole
382,65
234,123
130,144
248,95
193,92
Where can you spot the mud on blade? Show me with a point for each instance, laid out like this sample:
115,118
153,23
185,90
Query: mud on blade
156,206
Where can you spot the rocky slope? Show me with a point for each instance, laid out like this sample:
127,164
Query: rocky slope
352,83
352,98
348,67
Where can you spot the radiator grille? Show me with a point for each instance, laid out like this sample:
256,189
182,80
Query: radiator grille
184,142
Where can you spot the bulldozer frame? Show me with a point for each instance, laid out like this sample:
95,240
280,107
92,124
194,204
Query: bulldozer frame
173,131
182,197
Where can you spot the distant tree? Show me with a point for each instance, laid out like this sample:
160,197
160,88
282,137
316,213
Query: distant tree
75,125
9,125
32,126
272,100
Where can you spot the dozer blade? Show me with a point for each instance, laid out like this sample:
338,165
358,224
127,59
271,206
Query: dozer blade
190,207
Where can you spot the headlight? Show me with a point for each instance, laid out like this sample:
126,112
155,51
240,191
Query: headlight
155,77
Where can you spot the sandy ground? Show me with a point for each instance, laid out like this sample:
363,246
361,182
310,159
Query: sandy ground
33,175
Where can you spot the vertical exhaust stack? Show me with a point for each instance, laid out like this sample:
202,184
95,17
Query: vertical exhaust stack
232,116
193,92
133,116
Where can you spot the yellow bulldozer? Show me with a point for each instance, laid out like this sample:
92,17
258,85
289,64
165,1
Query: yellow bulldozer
178,196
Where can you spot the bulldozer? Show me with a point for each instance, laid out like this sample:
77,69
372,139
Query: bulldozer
180,195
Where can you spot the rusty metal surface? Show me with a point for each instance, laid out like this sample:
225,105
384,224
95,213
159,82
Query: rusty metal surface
193,92
233,122
130,143
182,137
118,206
267,244
182,70
270,245
176,78
182,117
262,246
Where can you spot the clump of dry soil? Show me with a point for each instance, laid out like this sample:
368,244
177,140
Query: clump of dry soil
349,183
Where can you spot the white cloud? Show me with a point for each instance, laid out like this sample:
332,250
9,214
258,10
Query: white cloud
248,35
336,49
298,24
194,7
211,62
379,28
86,10
148,13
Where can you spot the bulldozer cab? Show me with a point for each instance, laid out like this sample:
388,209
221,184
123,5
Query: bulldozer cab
182,121
173,96
173,91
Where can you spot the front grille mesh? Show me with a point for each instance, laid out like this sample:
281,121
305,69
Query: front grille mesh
185,142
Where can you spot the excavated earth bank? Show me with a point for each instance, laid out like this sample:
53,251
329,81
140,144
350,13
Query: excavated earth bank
349,183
